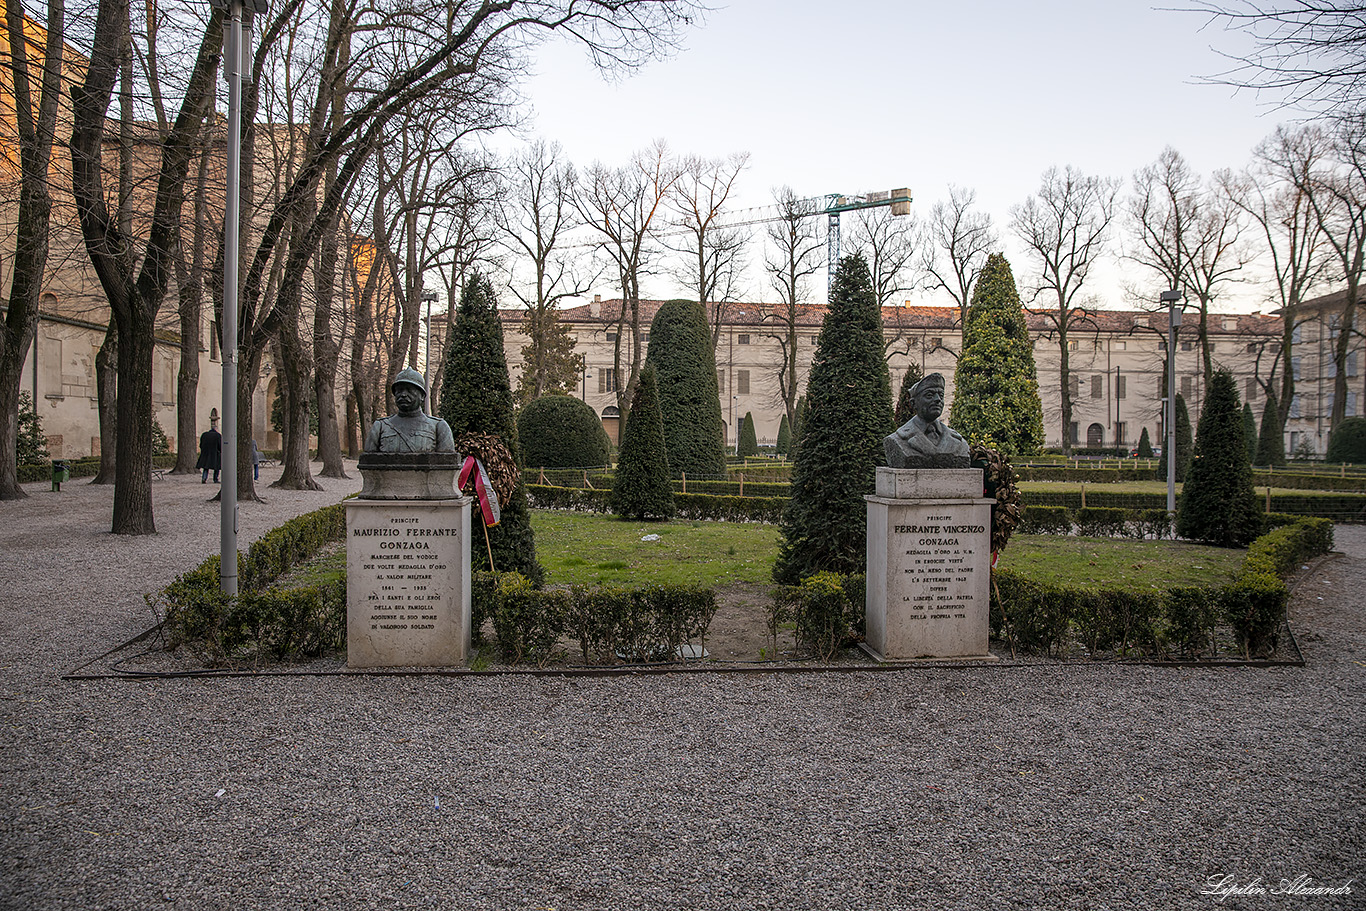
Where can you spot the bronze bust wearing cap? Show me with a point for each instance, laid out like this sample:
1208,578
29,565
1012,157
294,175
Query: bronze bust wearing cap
925,441
409,431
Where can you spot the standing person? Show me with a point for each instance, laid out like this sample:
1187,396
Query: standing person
210,452
255,461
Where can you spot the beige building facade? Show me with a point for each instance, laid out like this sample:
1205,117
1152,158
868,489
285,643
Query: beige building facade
1116,363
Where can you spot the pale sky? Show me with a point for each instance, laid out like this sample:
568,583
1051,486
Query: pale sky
863,95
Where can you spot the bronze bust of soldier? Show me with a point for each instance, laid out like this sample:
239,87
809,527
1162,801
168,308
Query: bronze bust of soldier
409,431
925,441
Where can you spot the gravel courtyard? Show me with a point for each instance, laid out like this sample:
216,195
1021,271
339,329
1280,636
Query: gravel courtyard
1044,786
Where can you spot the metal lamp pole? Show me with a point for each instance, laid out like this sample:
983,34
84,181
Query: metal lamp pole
1171,299
428,298
236,62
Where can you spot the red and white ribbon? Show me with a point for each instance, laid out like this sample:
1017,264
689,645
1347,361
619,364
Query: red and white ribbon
483,489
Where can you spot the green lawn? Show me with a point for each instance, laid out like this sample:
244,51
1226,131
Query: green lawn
588,548
1119,563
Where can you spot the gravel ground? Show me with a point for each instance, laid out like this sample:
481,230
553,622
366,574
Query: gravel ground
1042,786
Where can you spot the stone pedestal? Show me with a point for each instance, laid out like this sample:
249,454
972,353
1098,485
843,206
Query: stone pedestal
407,582
929,564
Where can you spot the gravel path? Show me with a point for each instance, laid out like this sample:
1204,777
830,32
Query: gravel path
1043,786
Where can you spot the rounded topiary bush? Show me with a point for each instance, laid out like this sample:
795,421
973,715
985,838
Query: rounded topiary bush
1348,442
560,431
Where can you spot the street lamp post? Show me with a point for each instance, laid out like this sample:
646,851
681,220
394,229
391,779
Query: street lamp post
236,64
1171,299
428,298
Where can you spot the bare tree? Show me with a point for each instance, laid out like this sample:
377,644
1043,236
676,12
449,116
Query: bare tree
960,240
889,243
793,256
535,214
714,254
625,206
36,123
1065,229
1310,52
135,296
1274,193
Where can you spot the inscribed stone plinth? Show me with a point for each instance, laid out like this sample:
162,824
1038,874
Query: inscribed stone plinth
407,582
929,564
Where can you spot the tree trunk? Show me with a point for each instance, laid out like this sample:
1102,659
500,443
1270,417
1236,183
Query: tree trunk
29,261
295,371
190,279
248,375
106,397
133,489
1065,392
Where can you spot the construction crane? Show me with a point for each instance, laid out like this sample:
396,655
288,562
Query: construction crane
830,205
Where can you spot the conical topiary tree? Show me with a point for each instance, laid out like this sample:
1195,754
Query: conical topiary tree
749,438
1270,440
1145,445
1183,443
685,374
996,387
1249,432
476,397
905,405
1218,505
849,412
641,488
784,444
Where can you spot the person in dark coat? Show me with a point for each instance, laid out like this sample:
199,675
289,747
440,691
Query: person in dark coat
210,453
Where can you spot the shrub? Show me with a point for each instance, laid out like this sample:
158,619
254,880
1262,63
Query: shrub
650,623
1254,606
1218,505
1270,441
31,445
160,444
849,412
1145,445
996,387
1183,443
527,622
684,361
476,397
1249,433
1045,520
905,405
1033,614
560,431
748,439
1347,442
1191,615
827,610
1155,524
1101,522
641,488
784,443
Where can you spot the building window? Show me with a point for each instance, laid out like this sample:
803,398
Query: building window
1352,364
1251,347
609,379
1098,345
1185,346
611,337
936,342
1097,386
742,339
742,382
1095,436
1211,347
1121,389
1074,386
1295,366
213,340
1295,407
1186,388
1072,346
1251,393
1297,334
1120,344
1074,432
721,382
1119,433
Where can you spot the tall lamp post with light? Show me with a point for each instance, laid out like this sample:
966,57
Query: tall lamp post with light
1171,299
236,64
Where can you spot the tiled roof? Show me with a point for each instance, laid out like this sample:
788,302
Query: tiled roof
931,318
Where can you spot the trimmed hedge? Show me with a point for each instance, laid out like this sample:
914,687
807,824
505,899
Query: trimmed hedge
303,621
1042,616
826,609
79,468
612,623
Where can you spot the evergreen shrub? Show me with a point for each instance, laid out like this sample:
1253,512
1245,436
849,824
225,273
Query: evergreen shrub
641,488
1102,522
1270,440
784,442
826,609
528,622
749,441
560,431
1145,445
689,403
1347,442
1218,505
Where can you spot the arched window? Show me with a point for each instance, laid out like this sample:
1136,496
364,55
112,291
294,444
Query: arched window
1095,436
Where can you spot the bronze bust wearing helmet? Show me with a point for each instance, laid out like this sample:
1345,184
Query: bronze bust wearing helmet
410,430
925,441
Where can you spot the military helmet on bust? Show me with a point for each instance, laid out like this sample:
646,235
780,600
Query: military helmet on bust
409,377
